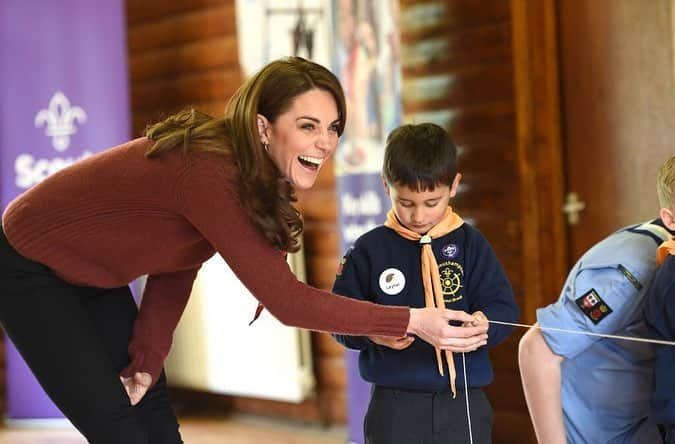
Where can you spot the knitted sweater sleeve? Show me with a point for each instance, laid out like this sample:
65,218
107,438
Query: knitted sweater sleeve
164,300
352,280
210,203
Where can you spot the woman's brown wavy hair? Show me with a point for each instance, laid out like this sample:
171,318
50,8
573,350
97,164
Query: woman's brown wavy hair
264,193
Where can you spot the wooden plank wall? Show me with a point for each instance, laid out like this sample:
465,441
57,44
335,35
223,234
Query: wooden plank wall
184,52
180,53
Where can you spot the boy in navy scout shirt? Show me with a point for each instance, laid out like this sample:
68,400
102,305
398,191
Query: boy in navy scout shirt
425,255
589,389
660,311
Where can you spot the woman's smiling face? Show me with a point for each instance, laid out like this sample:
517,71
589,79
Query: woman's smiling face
303,138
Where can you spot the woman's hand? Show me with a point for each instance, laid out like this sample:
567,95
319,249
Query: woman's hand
432,325
391,342
136,386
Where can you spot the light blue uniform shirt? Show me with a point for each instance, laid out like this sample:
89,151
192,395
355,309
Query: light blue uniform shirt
606,384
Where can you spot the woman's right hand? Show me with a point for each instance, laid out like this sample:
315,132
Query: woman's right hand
432,325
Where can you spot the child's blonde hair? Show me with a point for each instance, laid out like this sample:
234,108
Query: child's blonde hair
665,185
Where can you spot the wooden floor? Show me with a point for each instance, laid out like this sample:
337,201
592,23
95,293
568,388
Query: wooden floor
197,430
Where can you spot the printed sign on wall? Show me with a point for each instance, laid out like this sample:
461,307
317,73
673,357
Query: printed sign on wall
366,59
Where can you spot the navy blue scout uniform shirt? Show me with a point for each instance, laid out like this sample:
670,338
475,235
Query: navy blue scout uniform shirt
385,268
660,314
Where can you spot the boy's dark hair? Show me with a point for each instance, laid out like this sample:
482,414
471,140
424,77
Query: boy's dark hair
420,157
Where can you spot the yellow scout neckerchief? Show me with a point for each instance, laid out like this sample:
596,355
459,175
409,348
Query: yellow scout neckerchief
433,295
666,248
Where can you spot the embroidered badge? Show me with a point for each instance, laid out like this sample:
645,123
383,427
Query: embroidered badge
452,274
633,280
450,251
392,281
592,305
341,265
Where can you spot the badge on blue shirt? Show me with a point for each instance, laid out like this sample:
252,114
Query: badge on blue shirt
592,305
632,279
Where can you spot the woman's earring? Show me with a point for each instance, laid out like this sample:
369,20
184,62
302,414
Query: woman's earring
266,146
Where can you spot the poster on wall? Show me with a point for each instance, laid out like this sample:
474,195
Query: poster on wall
270,29
63,95
367,62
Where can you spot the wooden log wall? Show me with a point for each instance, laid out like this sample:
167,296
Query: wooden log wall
184,52
469,65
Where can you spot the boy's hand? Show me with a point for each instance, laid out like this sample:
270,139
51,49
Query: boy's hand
478,319
394,343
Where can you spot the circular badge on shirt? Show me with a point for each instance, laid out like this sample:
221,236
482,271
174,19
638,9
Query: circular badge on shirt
392,281
450,251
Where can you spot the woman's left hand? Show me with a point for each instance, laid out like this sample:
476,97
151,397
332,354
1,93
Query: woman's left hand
136,386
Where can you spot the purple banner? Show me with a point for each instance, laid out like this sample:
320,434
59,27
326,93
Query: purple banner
367,62
63,93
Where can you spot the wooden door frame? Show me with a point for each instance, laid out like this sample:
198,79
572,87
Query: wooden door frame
538,128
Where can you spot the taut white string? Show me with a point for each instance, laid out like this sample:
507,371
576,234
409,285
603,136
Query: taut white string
587,333
466,395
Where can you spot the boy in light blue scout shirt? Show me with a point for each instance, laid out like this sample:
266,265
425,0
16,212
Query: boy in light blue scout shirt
660,311
424,244
587,389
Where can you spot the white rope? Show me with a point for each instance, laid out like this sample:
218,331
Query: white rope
587,333
466,395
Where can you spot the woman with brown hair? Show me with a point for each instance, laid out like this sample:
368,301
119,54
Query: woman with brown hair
160,206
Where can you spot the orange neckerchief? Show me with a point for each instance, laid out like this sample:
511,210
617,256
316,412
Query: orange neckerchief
433,295
666,248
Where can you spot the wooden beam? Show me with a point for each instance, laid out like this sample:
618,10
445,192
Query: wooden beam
536,85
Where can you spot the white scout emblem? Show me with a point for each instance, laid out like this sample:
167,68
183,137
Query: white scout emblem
60,118
392,281
449,251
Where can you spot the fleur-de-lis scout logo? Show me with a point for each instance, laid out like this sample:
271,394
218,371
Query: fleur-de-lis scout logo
452,277
60,118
